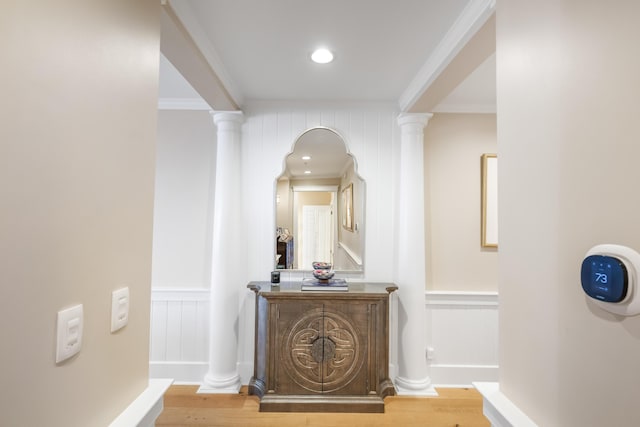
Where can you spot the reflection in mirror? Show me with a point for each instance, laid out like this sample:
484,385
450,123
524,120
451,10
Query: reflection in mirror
319,205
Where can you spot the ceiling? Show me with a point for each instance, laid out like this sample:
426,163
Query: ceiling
421,55
326,152
234,52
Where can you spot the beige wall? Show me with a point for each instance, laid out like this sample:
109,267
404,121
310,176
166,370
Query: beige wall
76,176
453,146
568,143
313,198
185,180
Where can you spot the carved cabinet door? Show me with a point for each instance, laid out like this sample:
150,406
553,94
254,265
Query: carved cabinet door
322,347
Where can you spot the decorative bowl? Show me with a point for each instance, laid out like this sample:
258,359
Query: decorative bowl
321,265
323,274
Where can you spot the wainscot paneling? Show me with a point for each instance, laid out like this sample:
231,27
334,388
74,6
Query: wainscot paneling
179,344
463,337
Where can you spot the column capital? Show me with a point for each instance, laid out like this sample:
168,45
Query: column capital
420,119
227,116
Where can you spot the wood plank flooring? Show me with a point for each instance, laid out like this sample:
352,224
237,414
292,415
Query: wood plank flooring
452,408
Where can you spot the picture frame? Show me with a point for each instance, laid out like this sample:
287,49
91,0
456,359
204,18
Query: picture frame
489,201
347,207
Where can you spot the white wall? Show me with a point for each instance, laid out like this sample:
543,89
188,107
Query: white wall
80,83
453,146
568,144
185,179
371,135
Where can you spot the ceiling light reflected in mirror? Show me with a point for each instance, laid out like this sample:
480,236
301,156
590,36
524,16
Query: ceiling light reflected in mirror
322,56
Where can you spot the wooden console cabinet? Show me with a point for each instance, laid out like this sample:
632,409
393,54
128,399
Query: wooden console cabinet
318,351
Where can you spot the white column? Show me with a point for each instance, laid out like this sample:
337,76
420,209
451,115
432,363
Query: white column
226,254
413,373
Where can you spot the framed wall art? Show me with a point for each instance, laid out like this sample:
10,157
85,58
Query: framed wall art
489,204
347,207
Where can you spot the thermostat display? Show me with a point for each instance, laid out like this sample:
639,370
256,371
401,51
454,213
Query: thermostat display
605,278
609,277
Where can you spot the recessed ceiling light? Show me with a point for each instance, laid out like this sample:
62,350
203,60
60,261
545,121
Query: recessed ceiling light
322,56
307,172
306,157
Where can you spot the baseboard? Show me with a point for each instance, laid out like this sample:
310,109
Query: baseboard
407,387
462,375
498,409
185,372
245,370
147,407
393,370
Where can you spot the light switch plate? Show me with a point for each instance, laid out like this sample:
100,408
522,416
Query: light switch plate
69,337
119,309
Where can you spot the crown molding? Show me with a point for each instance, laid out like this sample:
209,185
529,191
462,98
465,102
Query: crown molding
468,23
183,104
322,105
466,108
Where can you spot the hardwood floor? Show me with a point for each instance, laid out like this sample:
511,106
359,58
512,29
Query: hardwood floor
452,408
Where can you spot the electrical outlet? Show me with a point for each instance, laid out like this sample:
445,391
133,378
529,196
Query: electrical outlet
119,309
69,332
430,353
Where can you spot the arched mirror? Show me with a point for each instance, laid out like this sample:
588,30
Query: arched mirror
320,205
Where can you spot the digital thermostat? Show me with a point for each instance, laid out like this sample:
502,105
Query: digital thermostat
609,276
605,278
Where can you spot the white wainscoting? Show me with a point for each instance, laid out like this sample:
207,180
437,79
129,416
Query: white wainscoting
462,336
179,346
463,342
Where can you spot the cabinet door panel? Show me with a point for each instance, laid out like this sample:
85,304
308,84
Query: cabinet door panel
346,325
299,327
322,348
